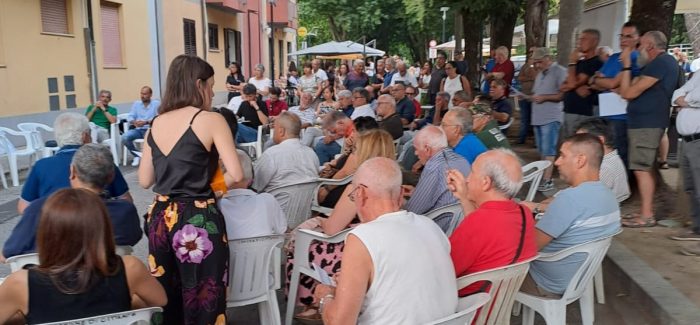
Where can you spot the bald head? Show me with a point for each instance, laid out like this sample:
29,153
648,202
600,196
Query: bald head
382,177
431,136
290,122
502,166
386,105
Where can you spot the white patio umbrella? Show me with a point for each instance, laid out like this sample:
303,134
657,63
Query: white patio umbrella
333,48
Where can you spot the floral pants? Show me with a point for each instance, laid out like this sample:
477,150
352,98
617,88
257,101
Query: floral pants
188,254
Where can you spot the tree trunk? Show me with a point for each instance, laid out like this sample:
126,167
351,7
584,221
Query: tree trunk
536,23
502,24
692,25
570,12
653,15
472,25
336,31
459,31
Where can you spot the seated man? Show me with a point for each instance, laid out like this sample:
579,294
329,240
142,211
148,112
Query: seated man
412,93
360,101
336,128
457,125
582,213
249,214
345,102
288,162
304,111
461,98
404,106
500,231
383,252
92,168
431,192
140,116
486,128
51,174
254,112
502,109
442,101
102,115
391,121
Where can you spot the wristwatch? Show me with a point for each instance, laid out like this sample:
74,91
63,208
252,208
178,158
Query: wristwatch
323,301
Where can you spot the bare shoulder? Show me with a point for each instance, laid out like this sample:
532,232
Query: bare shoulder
133,265
17,283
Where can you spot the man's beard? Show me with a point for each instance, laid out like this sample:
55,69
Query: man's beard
642,58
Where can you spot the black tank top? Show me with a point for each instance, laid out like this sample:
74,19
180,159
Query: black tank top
47,304
187,170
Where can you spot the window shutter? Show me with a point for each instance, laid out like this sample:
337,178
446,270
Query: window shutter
190,37
111,35
54,16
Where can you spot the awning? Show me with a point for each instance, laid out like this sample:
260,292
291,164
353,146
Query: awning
333,48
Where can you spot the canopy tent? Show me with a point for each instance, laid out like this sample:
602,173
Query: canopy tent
450,46
333,49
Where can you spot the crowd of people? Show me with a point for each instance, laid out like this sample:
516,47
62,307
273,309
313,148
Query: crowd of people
402,159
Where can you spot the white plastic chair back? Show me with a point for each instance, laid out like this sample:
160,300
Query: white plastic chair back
532,173
9,150
38,141
256,146
295,200
315,205
19,261
465,316
137,316
250,276
123,250
505,283
507,125
302,242
455,210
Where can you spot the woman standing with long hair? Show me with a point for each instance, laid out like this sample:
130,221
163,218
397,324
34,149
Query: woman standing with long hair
186,231
234,81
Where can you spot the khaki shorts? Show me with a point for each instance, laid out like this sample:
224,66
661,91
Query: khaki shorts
643,147
530,286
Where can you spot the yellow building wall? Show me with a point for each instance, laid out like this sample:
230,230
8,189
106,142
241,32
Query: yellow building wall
125,82
217,58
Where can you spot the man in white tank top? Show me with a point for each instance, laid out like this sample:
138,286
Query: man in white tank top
396,264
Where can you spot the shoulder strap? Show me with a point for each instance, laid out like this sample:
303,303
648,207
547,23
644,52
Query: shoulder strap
195,115
522,236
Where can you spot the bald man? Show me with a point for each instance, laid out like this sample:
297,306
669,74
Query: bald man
431,192
584,212
500,231
382,251
289,161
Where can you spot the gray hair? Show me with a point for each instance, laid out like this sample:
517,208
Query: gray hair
290,122
260,67
462,95
445,95
390,99
332,118
93,165
344,94
503,51
382,176
390,61
246,164
464,118
658,39
500,177
105,91
432,136
69,129
358,61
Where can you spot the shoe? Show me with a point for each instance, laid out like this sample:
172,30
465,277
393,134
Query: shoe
686,235
136,161
639,222
546,186
663,165
690,250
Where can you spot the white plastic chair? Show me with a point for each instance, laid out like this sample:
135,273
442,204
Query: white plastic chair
125,150
465,316
114,140
7,149
580,287
302,242
249,279
257,146
295,200
37,139
507,125
505,283
455,210
19,261
315,205
532,173
136,316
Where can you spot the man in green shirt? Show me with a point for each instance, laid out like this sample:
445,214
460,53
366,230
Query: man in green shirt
102,114
486,128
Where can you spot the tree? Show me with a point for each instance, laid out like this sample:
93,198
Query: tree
692,25
569,19
536,23
653,15
502,19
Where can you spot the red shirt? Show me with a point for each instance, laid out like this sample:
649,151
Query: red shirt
277,108
488,238
419,110
508,69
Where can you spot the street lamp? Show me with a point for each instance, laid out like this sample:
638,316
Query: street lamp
444,16
272,39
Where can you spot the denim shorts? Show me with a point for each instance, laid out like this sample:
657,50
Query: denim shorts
546,138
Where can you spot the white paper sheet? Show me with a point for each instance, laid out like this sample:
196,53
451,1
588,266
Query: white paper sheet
611,104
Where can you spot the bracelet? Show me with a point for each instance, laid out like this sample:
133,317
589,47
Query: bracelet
627,69
572,64
322,302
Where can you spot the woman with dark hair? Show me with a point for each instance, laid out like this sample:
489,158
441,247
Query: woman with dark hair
309,82
327,103
454,82
186,232
234,81
79,275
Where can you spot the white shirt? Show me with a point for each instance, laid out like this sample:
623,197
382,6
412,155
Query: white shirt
414,280
235,103
364,110
306,116
321,74
452,86
688,120
262,85
407,78
287,163
614,175
249,214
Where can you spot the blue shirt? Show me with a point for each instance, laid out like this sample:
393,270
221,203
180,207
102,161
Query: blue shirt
612,67
142,112
470,147
489,67
387,77
122,213
52,174
577,215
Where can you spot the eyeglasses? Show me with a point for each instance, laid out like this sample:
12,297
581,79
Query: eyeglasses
627,36
410,94
352,193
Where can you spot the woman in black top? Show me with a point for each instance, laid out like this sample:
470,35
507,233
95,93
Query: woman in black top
79,275
234,81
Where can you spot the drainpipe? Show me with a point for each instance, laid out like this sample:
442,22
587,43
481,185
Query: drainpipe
205,29
90,50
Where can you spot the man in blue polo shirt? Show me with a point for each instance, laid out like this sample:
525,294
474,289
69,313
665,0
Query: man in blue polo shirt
51,174
140,116
608,78
457,125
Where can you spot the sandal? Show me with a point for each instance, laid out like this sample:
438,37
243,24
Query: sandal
639,222
310,314
663,165
630,216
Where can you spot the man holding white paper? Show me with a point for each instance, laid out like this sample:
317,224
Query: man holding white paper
607,80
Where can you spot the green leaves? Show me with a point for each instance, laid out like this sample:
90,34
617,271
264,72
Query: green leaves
198,221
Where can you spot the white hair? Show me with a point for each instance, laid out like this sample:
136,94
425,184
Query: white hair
502,50
69,129
605,50
501,179
382,176
358,61
246,164
432,136
344,94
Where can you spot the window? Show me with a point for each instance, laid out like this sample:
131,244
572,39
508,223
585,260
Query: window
190,37
54,16
111,35
213,37
232,46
